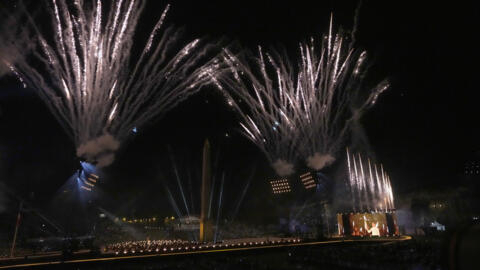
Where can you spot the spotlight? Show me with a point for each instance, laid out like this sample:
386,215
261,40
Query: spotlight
280,186
308,180
86,176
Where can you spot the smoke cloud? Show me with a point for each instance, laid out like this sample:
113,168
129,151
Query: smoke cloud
318,161
283,168
99,151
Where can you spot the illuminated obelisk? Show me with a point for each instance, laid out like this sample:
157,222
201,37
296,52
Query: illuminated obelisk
206,234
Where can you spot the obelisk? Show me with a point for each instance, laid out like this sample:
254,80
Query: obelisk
205,224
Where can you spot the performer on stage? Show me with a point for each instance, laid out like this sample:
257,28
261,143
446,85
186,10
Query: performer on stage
373,230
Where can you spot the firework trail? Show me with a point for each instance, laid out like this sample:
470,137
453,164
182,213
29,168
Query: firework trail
370,188
90,77
302,109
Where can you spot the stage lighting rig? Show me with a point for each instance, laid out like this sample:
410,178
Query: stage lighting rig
308,180
280,186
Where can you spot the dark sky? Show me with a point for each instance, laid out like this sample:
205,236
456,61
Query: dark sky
423,129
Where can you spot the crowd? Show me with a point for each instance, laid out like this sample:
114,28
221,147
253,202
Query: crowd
418,254
414,254
150,246
133,247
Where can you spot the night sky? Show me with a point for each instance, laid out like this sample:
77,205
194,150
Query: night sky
422,129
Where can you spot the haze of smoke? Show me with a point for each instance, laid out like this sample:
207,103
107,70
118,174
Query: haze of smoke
318,161
283,168
101,149
3,69
14,41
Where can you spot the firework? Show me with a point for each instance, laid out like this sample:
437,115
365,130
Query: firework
91,78
301,109
369,185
